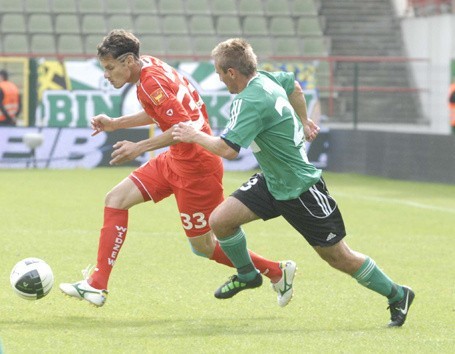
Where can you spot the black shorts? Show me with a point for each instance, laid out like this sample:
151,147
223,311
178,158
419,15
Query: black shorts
314,214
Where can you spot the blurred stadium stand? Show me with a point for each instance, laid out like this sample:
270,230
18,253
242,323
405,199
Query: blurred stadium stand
429,7
284,30
183,24
370,28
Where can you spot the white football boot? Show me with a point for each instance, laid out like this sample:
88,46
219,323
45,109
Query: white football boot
284,287
82,290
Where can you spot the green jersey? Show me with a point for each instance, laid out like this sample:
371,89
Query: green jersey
262,118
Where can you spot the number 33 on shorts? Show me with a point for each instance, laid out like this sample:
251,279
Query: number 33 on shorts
195,221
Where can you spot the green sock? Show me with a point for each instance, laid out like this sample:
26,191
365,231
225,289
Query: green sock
372,277
234,247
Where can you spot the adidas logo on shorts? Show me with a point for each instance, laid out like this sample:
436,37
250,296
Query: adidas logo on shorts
331,235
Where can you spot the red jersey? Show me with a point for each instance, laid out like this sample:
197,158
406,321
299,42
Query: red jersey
168,98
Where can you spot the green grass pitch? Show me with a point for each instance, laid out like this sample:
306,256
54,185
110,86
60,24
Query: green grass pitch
161,295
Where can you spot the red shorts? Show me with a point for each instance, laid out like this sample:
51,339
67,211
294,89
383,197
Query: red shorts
196,195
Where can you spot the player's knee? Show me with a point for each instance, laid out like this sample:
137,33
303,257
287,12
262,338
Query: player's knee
341,262
220,226
198,251
214,223
332,260
118,200
112,200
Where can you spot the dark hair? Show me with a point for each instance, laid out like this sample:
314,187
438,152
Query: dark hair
4,74
119,42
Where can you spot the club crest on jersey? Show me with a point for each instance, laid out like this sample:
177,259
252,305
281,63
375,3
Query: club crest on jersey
158,96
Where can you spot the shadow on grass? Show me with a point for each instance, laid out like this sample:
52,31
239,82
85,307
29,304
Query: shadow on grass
178,327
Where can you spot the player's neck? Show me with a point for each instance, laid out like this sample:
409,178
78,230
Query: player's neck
136,71
245,81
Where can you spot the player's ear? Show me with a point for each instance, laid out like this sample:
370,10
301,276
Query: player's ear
130,60
231,73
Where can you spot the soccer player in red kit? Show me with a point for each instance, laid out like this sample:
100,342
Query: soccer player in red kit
189,172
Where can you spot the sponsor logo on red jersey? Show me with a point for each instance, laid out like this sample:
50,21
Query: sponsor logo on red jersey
158,96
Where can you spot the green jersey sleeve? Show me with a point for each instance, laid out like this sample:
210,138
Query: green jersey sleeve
284,79
244,123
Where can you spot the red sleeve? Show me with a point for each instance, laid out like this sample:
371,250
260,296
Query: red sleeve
161,103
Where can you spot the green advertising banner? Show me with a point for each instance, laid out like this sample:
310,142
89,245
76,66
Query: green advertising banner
71,92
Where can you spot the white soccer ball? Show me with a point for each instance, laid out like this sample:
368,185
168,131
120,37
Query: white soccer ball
32,278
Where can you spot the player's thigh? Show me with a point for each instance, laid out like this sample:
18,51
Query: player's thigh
124,195
256,197
250,202
229,216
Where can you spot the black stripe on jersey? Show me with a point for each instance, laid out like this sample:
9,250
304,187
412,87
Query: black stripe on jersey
232,145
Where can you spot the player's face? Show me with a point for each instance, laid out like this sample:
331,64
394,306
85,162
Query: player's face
116,72
227,78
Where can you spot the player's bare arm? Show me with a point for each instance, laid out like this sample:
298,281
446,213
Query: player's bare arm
102,122
188,134
298,102
125,151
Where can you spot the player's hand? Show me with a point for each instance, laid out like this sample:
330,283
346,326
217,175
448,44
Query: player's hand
311,130
102,123
124,151
184,132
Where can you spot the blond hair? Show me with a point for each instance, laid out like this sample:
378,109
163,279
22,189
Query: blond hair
235,53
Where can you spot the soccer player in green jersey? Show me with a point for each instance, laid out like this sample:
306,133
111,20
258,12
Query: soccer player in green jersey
269,116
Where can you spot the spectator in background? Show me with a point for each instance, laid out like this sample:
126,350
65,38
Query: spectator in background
10,101
452,106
